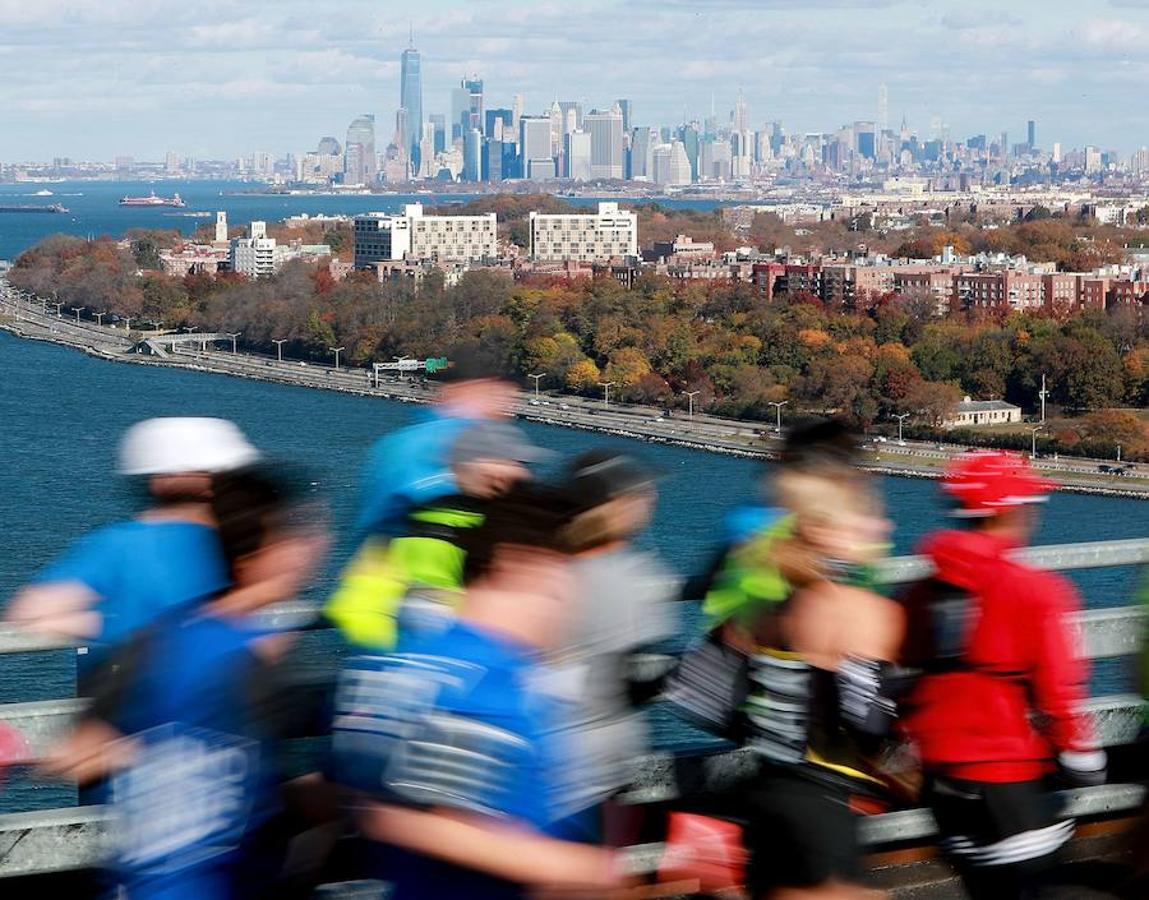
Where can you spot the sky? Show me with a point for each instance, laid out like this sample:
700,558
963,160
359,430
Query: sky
92,79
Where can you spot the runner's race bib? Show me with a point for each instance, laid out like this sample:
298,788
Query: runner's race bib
185,799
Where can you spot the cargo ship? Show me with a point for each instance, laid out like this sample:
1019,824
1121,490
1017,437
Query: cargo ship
152,200
34,208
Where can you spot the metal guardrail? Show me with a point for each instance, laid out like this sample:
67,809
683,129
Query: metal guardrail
66,839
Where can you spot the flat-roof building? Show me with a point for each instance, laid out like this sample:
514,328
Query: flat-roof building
380,237
604,235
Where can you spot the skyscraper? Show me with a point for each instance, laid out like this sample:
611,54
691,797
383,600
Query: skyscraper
883,108
439,122
605,143
1031,128
626,107
641,148
467,107
534,142
411,99
576,151
360,165
472,155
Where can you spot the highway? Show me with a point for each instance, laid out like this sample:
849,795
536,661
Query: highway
30,317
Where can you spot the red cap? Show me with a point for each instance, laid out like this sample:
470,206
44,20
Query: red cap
985,482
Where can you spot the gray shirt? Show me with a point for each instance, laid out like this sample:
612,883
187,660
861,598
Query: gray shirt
626,604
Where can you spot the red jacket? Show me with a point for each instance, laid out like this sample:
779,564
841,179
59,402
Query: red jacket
993,639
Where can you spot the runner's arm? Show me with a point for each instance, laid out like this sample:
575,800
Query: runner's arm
474,842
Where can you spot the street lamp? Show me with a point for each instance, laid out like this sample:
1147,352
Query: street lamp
59,306
127,323
99,318
901,417
190,328
1033,440
336,351
690,395
1119,451
778,404
279,348
537,379
233,336
606,386
77,311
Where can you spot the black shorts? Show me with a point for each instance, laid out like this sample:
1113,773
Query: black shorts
997,827
800,832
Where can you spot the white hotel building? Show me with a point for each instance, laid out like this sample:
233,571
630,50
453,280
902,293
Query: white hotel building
380,237
597,237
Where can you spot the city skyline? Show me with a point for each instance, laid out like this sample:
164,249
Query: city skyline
122,80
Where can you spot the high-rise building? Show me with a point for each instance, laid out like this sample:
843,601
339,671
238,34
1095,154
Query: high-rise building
865,140
671,165
473,155
516,114
1031,134
534,142
883,108
411,99
498,124
257,255
604,235
626,107
571,115
606,143
688,134
380,237
641,154
221,227
359,163
493,159
439,123
1055,156
576,154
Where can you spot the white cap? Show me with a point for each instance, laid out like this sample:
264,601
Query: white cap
174,446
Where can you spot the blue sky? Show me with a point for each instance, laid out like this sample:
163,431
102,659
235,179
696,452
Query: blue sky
218,78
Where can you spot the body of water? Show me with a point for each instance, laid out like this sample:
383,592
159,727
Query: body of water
61,415
94,210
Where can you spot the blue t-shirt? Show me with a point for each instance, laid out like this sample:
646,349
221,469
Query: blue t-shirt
196,786
140,570
407,468
449,720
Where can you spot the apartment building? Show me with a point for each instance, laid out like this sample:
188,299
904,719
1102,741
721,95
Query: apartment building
600,236
380,237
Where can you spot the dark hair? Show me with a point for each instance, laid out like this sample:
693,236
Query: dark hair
248,504
819,445
529,515
473,362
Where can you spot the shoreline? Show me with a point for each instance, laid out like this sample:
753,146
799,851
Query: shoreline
307,375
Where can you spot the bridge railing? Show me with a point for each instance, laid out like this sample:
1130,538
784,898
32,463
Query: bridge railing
43,842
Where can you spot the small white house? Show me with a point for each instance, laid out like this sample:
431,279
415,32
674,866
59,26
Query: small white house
982,412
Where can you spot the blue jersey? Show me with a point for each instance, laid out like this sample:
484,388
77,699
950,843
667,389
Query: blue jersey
407,468
195,786
448,721
140,570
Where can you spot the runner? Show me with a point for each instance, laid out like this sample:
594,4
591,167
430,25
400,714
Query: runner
121,577
993,639
177,719
794,668
411,466
419,567
448,744
625,607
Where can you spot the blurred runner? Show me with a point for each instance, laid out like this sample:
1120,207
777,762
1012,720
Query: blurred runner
121,577
625,606
177,718
410,467
449,744
997,706
796,667
419,567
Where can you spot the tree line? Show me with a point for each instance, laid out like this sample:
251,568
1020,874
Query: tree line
656,340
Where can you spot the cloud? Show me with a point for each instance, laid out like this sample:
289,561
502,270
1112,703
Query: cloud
1114,34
